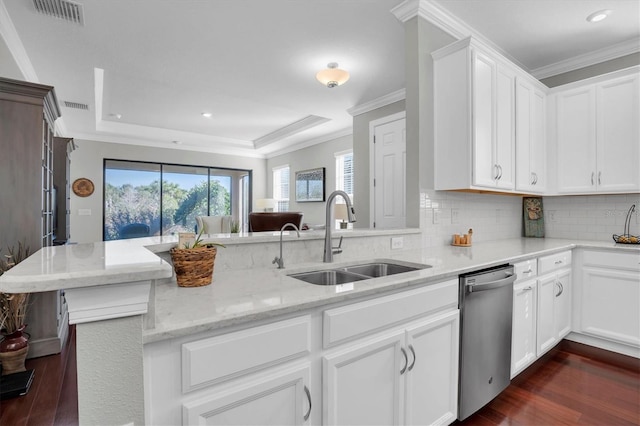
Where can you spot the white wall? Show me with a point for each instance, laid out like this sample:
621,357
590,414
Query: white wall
87,162
320,155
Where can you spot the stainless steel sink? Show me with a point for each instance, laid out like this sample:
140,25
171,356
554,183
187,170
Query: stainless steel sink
329,277
353,273
381,269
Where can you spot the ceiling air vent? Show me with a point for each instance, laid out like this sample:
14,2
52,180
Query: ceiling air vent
76,105
61,9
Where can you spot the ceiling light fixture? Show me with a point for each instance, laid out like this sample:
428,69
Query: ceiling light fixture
207,114
332,76
599,15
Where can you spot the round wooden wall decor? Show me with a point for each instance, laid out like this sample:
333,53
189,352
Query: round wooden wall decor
82,187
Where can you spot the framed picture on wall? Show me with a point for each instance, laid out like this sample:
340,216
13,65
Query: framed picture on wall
310,185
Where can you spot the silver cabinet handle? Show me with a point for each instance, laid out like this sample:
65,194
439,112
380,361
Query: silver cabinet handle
529,271
406,361
413,352
536,182
592,176
496,175
527,288
306,390
500,169
599,178
558,262
560,288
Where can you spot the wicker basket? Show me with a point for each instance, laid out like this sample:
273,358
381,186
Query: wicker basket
194,266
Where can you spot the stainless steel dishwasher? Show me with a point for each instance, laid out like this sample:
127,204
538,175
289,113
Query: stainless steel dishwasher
486,304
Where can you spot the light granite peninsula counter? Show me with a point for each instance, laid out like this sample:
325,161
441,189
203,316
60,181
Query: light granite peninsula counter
121,294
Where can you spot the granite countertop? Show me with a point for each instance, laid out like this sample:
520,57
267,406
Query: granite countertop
242,296
237,297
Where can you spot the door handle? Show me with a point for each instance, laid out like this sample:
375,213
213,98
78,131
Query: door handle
413,352
306,390
491,285
406,361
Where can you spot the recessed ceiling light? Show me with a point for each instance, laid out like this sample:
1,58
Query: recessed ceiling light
599,15
207,114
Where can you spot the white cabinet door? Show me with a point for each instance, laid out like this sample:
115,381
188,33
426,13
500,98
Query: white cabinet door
493,112
530,138
562,300
432,375
485,169
504,151
545,333
554,309
279,399
610,304
576,136
361,385
523,341
618,136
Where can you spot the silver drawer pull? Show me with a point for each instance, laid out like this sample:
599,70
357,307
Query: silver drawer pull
406,361
558,262
413,352
306,390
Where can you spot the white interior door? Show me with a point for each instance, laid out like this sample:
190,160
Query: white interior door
390,159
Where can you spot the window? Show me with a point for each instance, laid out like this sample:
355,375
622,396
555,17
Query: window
344,172
281,188
145,199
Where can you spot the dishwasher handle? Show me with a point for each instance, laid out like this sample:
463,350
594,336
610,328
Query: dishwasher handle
508,280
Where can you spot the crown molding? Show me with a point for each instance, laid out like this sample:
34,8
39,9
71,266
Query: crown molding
11,38
612,52
385,100
326,138
446,21
289,130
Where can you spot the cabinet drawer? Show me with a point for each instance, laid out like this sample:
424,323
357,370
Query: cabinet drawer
526,269
554,261
356,320
612,259
220,358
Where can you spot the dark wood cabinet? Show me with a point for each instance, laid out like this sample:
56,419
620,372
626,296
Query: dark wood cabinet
27,115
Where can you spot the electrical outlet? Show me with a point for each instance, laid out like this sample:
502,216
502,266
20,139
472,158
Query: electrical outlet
455,216
436,216
397,243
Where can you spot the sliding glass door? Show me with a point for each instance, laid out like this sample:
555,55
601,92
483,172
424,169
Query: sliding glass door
146,199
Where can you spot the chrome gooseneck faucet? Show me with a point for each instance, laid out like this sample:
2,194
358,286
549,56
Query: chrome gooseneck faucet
280,260
329,250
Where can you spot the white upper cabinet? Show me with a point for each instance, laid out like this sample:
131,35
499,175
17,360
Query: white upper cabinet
530,137
597,134
475,118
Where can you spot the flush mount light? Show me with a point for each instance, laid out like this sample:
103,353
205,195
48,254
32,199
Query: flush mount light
207,114
332,76
599,15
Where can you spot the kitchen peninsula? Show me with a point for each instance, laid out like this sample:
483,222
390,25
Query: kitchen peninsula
132,317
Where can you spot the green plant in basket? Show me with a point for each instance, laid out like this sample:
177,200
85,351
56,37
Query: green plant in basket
199,243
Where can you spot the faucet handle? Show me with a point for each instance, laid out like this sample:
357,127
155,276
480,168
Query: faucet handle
338,249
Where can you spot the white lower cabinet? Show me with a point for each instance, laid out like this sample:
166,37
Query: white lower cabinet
541,308
608,300
406,376
523,340
391,359
554,309
280,398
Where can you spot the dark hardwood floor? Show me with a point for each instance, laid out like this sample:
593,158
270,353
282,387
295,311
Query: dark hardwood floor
53,396
573,384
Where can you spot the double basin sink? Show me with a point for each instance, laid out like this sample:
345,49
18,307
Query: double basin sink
359,272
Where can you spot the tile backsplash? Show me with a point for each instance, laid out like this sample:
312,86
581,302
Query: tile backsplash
496,217
590,217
